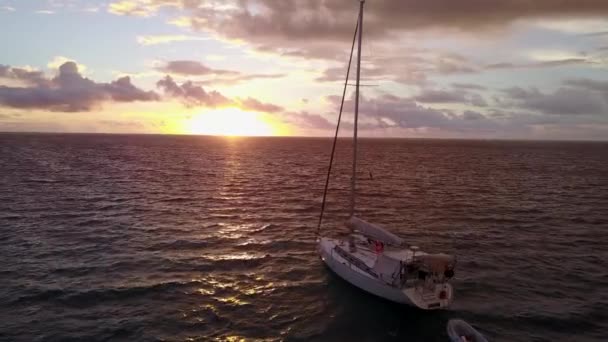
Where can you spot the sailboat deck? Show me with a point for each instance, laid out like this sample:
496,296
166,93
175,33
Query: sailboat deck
362,258
401,253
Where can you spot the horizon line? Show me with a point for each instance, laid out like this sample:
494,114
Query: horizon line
307,136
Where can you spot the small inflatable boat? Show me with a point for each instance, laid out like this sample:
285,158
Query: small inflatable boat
461,331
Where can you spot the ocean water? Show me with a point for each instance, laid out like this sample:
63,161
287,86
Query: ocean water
168,238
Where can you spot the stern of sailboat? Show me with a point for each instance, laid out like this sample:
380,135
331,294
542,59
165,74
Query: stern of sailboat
436,297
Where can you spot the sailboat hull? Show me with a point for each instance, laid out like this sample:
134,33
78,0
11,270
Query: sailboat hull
366,282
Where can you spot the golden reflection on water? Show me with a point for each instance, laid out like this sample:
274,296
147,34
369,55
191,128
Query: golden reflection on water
212,284
217,284
205,292
258,289
236,256
237,338
234,339
236,231
232,300
229,293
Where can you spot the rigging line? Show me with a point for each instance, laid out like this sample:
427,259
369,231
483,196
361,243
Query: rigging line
333,149
353,179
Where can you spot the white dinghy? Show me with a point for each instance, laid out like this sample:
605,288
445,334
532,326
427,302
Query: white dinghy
376,260
461,331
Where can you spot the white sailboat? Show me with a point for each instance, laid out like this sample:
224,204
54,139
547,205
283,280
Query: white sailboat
376,260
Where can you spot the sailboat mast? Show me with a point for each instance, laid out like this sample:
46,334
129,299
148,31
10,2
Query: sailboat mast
353,180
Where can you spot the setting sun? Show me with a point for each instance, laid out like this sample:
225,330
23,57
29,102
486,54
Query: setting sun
233,122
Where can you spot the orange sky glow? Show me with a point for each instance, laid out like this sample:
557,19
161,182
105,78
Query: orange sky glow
232,121
438,69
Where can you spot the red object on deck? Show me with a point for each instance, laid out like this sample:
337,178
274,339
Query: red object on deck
378,247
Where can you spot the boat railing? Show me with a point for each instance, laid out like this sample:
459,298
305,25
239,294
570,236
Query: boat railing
353,261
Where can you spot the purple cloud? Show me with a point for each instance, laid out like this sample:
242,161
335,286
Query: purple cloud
27,76
192,68
69,91
211,75
468,86
191,94
194,95
255,105
544,64
564,101
312,28
442,96
307,120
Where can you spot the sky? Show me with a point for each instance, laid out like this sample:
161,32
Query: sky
502,69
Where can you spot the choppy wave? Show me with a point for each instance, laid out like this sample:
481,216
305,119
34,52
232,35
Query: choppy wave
172,238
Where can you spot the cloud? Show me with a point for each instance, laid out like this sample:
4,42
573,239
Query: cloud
402,115
320,29
398,112
165,39
468,86
333,20
404,73
323,29
564,101
239,78
255,105
92,9
542,64
306,120
25,75
472,115
477,100
573,25
309,26
194,95
69,91
141,8
442,96
58,61
562,62
9,116
122,90
595,34
587,84
454,64
192,68
210,75
412,68
459,96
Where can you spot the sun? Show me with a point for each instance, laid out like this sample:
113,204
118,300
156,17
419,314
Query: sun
233,122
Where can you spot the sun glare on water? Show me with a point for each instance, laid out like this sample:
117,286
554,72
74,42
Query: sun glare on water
233,122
